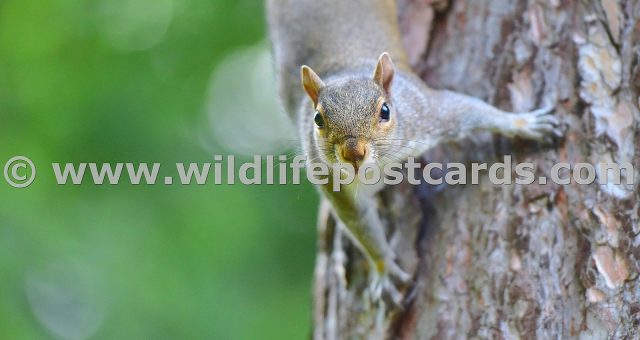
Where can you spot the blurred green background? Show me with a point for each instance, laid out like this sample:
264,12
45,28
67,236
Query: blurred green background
146,81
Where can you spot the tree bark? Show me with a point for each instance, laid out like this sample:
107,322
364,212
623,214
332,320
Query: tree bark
510,261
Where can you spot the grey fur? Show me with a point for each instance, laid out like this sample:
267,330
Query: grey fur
341,40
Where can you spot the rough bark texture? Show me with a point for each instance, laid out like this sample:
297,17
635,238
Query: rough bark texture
510,261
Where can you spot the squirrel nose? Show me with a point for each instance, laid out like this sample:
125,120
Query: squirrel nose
353,151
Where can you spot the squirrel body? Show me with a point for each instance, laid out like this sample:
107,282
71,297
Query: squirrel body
360,109
332,36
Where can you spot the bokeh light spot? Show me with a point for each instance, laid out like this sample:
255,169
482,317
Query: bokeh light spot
244,110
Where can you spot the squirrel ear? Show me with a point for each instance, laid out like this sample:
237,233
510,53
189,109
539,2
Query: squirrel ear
383,75
311,83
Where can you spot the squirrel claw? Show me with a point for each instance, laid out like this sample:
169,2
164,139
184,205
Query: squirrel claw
558,132
543,111
397,273
538,124
385,285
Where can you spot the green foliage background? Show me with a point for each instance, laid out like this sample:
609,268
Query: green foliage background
137,262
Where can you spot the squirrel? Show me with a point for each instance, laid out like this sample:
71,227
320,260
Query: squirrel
357,109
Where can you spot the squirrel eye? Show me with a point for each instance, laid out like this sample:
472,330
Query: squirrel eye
385,113
318,119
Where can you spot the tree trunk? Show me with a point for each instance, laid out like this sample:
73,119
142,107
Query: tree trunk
510,261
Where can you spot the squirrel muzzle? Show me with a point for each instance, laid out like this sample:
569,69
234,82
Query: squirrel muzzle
353,151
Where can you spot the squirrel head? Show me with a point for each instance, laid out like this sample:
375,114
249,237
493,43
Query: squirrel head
353,117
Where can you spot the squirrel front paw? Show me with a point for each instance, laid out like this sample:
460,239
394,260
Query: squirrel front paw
386,284
539,124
